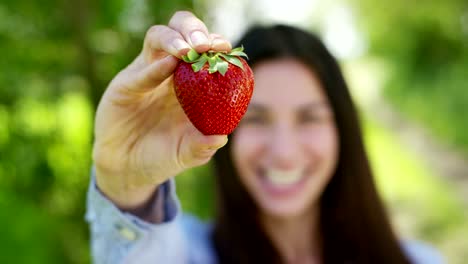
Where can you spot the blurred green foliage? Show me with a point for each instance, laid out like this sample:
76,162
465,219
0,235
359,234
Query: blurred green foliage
423,206
425,48
57,58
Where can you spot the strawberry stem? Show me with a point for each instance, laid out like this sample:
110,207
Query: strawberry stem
217,61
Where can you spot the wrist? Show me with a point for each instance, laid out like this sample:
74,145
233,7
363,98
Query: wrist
119,190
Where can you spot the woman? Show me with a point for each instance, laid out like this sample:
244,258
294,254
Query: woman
294,182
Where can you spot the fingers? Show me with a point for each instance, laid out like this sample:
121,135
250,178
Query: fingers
154,74
196,34
192,29
162,38
185,31
218,43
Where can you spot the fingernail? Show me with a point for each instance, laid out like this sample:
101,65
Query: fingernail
198,38
180,45
219,42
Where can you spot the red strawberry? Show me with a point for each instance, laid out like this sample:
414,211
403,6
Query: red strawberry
214,89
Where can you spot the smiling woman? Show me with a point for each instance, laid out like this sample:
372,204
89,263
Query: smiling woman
286,148
294,182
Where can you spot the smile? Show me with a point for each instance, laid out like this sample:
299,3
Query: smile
283,177
282,182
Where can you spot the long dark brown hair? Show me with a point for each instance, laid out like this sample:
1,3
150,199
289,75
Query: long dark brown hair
353,223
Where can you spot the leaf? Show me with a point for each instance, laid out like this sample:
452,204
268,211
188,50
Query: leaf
218,62
197,66
222,66
213,64
192,55
234,60
241,48
239,51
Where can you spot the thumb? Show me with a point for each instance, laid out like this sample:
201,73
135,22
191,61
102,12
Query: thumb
198,148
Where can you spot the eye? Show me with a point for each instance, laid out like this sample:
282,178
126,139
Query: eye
308,118
312,117
254,119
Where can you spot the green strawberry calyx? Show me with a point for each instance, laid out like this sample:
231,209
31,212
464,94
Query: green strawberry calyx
218,61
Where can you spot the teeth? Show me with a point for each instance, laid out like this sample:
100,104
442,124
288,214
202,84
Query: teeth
282,177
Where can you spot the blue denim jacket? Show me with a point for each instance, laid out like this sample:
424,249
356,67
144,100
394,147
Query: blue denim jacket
118,237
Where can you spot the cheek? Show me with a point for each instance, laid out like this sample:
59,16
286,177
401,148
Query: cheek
322,141
247,144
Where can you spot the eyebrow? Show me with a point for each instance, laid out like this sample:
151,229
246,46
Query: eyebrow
258,107
314,106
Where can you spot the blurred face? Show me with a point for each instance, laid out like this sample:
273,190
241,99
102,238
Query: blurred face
285,148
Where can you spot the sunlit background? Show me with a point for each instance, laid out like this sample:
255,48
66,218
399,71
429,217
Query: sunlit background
406,63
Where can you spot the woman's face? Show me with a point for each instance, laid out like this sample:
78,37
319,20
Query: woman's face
286,146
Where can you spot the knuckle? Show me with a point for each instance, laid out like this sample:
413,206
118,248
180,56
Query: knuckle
186,21
181,14
154,30
152,76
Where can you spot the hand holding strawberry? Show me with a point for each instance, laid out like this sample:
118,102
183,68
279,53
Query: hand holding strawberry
142,136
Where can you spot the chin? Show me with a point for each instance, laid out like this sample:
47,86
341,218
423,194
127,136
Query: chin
285,210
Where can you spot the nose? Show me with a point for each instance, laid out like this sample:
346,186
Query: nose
284,147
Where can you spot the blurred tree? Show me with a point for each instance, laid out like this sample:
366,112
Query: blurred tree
57,59
425,46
